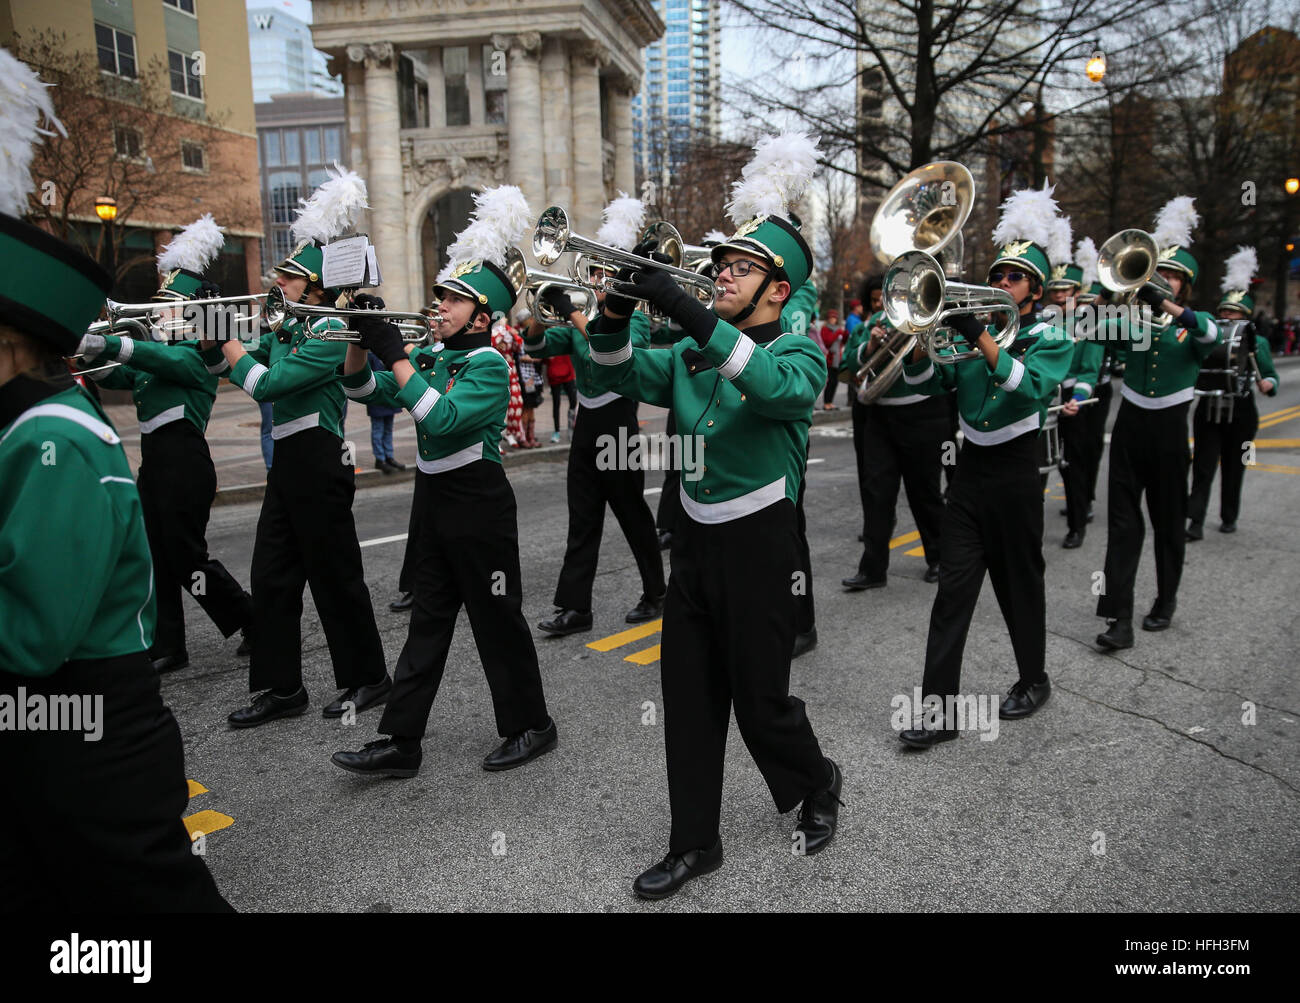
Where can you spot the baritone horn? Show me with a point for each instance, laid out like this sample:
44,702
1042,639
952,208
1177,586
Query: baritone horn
533,283
1127,261
414,327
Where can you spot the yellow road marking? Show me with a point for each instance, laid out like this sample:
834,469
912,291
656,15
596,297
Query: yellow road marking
196,788
1278,417
207,822
1273,468
645,657
627,636
915,552
1277,443
911,537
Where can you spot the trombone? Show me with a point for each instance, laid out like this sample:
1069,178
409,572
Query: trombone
414,327
553,237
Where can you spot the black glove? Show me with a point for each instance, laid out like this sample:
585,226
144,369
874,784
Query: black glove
207,290
968,326
377,335
558,300
1150,294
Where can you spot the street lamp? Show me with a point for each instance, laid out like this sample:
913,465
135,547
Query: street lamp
1096,67
1292,185
106,210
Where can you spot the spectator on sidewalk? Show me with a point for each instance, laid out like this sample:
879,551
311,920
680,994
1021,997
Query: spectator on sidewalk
562,380
530,387
832,343
381,429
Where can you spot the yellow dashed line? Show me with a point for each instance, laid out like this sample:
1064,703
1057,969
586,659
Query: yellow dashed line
1277,443
196,788
206,822
898,541
627,636
1273,468
645,657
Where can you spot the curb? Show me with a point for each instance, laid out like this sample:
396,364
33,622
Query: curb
240,493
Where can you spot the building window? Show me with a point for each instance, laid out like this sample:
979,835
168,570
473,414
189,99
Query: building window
286,189
185,78
290,137
282,244
455,73
127,142
272,143
494,86
316,178
116,50
311,146
193,157
333,145
186,5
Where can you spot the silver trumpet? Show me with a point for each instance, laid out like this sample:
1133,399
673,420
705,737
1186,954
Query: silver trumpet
179,319
138,327
533,282
553,237
414,327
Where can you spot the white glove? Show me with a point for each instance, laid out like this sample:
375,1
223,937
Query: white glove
92,346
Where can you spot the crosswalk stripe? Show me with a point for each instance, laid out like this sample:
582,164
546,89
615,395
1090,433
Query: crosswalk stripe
627,636
644,657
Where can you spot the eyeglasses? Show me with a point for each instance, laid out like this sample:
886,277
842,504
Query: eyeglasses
739,268
997,277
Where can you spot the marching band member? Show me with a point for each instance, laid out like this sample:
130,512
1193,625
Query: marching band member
859,334
92,813
601,418
1094,418
467,551
994,517
1222,443
305,534
1063,288
174,388
902,442
1148,445
747,390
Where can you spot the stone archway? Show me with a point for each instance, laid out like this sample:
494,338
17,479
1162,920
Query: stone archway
442,221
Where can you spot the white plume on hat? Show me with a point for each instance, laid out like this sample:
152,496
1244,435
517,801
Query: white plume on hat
23,100
1175,223
1085,256
714,237
1029,214
1058,244
624,221
775,178
331,209
500,218
195,247
1240,270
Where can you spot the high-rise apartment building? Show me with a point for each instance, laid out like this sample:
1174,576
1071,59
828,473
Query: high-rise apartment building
678,103
284,60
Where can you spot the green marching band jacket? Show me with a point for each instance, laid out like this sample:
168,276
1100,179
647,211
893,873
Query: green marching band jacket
62,464
996,406
1264,358
1085,369
168,382
567,340
458,398
900,391
298,375
752,411
1164,375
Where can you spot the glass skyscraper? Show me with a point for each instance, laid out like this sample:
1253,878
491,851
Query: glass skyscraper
678,103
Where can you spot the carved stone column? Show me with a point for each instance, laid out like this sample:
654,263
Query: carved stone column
524,112
384,166
585,61
620,96
557,124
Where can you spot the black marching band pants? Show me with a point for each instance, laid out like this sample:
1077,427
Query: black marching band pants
466,554
902,443
993,522
589,489
1220,444
1148,454
728,636
95,826
670,499
860,414
177,483
1094,418
306,536
1083,439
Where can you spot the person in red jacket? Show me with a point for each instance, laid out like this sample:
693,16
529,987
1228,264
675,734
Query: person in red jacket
561,378
832,340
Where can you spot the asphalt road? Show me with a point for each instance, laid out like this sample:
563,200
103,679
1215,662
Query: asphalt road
1139,787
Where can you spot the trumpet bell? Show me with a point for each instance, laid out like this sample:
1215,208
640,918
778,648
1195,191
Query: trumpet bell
551,235
668,241
925,211
1127,261
913,292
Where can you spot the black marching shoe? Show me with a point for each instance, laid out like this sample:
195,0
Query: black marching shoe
567,621
1089,519
383,467
360,697
819,813
245,645
923,738
1195,531
1118,635
1073,539
665,877
171,661
1160,616
645,610
665,539
267,707
403,602
804,643
931,574
1025,699
396,467
1229,527
380,758
522,748
857,583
